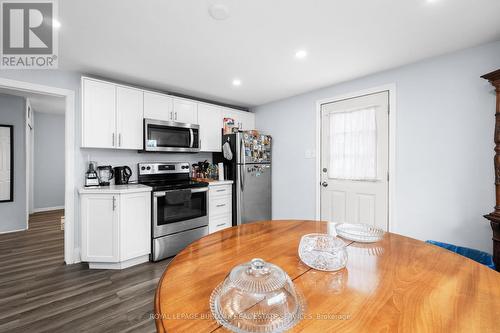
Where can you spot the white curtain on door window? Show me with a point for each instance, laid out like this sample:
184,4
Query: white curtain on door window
353,145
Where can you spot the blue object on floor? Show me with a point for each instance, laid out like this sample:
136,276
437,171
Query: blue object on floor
476,255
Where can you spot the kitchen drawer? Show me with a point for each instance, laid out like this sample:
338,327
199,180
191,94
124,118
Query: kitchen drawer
219,223
220,206
220,191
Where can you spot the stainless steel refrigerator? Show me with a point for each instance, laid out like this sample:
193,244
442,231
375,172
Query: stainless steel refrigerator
250,169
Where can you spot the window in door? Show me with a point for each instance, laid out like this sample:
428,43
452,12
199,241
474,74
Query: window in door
353,145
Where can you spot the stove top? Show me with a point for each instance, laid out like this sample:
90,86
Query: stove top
159,185
166,176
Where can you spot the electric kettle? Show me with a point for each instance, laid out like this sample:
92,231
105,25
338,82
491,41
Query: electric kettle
122,175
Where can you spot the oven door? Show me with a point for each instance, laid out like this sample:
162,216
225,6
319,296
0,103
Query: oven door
171,136
179,210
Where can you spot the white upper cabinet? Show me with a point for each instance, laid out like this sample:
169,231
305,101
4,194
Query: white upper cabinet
247,120
210,121
98,114
129,115
243,120
111,115
185,111
158,106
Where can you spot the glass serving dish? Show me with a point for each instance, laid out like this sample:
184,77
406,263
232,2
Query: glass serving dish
323,252
257,296
359,232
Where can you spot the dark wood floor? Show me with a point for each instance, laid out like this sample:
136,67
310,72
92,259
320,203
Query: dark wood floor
39,293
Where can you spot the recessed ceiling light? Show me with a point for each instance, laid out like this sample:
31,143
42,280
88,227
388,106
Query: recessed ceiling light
236,82
56,24
301,54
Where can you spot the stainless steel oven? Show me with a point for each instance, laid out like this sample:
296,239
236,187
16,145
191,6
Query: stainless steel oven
171,136
179,210
179,213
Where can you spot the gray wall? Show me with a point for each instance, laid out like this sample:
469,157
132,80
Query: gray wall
13,214
48,187
444,172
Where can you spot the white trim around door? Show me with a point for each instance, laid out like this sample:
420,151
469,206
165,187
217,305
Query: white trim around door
391,88
70,254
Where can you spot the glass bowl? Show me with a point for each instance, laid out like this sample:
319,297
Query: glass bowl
323,252
359,232
257,296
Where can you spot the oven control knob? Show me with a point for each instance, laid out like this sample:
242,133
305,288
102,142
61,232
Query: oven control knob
143,168
149,168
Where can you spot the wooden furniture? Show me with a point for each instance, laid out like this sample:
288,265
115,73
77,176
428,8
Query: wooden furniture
112,115
115,226
220,205
494,217
398,284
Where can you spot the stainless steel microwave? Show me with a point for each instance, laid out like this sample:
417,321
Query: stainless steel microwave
171,136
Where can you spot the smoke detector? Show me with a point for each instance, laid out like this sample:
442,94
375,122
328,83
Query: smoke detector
219,12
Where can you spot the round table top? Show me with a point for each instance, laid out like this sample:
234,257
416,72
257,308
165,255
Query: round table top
397,284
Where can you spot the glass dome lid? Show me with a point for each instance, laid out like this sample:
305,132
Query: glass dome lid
257,296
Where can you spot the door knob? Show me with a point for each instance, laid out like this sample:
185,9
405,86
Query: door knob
324,184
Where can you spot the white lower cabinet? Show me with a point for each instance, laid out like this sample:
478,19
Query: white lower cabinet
219,206
115,228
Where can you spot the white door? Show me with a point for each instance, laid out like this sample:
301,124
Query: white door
99,114
100,228
158,106
5,163
209,119
354,160
129,115
185,111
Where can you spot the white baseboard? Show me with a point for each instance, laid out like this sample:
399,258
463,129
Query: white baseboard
10,231
46,209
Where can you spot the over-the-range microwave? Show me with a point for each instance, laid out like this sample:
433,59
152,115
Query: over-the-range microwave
171,136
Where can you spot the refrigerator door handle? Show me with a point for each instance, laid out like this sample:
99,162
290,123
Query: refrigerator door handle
242,177
239,195
242,151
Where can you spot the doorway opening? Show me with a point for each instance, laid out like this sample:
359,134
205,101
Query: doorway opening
42,184
355,163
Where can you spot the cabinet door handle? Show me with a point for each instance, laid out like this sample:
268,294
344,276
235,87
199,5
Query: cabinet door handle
221,190
114,202
113,139
220,225
119,140
175,115
221,205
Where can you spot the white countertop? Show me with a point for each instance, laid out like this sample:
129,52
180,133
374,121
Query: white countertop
220,182
129,188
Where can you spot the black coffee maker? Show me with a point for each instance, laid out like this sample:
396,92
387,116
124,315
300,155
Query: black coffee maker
122,175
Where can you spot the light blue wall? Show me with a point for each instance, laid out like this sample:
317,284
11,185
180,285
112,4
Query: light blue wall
444,155
13,214
48,187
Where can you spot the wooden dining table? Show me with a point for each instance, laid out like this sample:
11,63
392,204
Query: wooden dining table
397,284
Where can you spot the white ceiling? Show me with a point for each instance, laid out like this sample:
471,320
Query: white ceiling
39,102
176,45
